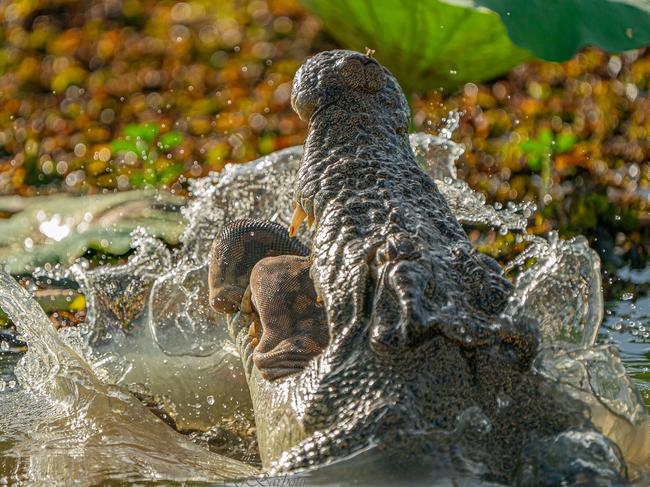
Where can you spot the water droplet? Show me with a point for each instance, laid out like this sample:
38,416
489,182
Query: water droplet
503,400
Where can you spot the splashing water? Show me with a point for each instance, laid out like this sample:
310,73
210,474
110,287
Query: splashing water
65,424
452,122
542,290
149,324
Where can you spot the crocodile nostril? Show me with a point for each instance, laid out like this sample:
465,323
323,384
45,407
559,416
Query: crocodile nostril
374,77
360,76
352,72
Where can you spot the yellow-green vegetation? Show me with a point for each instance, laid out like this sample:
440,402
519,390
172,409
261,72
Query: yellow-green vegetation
573,137
101,96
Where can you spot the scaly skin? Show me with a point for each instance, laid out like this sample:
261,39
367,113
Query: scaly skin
239,246
255,267
419,356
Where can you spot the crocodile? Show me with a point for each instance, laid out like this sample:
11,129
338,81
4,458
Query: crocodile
419,362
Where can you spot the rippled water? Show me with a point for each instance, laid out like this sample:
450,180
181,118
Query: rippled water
68,410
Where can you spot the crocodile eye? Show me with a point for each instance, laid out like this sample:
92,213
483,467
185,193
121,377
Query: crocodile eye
367,77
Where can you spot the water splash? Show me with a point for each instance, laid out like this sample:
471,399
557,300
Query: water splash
452,122
438,157
124,288
562,292
144,331
596,376
470,208
149,323
559,287
630,313
66,425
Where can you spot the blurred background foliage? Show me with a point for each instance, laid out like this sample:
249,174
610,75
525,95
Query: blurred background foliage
102,96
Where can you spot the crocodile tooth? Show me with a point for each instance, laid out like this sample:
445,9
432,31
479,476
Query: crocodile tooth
299,216
252,332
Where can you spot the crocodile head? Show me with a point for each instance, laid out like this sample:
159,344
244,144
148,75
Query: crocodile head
420,363
351,80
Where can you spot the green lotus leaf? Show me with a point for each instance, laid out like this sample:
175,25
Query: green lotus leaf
427,44
430,44
555,29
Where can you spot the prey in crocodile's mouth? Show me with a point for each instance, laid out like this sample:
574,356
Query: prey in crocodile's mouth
285,321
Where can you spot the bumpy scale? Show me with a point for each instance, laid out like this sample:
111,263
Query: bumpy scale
256,268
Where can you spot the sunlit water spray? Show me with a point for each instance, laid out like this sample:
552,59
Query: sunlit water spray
149,327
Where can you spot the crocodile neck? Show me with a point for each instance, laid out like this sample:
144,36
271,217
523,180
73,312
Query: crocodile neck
351,134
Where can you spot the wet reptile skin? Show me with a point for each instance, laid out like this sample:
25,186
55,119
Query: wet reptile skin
239,246
419,364
257,268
